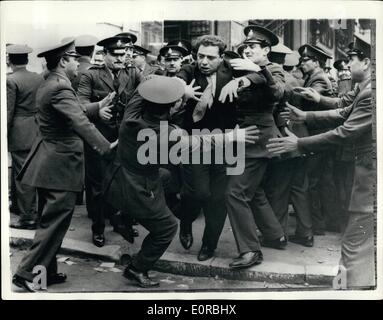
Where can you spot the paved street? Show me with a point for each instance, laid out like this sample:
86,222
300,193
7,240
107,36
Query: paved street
83,277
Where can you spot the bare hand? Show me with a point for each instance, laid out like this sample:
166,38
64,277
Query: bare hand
105,113
244,64
283,145
107,100
191,92
292,113
229,90
308,93
249,134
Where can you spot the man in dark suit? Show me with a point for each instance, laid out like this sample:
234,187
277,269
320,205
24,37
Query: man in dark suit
22,128
246,201
352,119
55,164
95,85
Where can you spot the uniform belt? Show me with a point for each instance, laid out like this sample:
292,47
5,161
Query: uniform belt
47,137
24,114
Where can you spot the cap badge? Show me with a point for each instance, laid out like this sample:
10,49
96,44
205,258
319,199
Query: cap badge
119,43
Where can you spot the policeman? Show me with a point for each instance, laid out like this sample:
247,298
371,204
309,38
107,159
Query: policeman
55,164
139,61
22,86
173,55
353,118
344,76
96,84
84,45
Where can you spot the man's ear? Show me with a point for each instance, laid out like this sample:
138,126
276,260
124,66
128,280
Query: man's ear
366,63
267,50
62,62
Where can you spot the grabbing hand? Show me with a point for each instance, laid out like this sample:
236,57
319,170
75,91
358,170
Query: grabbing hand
105,106
244,64
191,92
308,93
283,145
292,113
107,100
250,135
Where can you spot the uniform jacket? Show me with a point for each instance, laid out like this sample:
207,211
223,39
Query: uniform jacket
354,121
97,83
56,159
21,108
256,106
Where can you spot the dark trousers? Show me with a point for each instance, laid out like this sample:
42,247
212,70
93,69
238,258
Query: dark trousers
55,210
25,195
323,196
357,251
278,185
343,178
204,188
95,172
162,228
248,207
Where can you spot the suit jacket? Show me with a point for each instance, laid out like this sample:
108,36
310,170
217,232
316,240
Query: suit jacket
56,159
354,124
21,108
97,83
220,115
256,106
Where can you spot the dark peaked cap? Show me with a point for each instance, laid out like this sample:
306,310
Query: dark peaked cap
62,49
310,51
258,34
140,50
128,35
18,49
161,89
85,40
361,45
181,43
173,51
340,64
114,43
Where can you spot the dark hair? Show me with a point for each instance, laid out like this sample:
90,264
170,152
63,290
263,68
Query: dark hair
18,59
85,51
288,68
52,62
322,63
210,40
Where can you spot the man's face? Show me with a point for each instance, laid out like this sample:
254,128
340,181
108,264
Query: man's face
358,68
139,60
71,67
256,53
208,59
308,65
98,59
173,64
114,61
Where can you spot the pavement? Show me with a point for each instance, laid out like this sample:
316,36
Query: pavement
295,265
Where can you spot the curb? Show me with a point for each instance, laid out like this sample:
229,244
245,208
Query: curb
187,264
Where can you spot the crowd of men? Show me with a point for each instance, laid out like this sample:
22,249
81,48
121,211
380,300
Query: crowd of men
308,143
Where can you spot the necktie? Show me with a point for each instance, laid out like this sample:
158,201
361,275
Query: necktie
116,82
205,102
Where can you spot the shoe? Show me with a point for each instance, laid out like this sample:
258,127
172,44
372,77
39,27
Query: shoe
186,235
141,278
247,260
22,283
98,239
26,225
304,241
205,253
56,278
279,244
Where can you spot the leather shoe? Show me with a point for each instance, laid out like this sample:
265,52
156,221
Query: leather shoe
26,225
56,278
22,283
205,253
98,239
304,241
247,260
141,278
279,244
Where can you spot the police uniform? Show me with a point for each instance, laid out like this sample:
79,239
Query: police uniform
94,86
246,201
147,69
55,164
324,205
22,130
354,120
